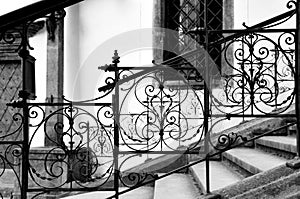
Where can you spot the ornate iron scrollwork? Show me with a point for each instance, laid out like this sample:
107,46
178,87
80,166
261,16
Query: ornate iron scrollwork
155,112
160,110
84,153
262,71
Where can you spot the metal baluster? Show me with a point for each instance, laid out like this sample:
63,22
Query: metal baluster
297,88
25,95
206,101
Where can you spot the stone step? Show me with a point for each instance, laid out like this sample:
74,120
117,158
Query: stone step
283,143
140,193
293,196
220,175
278,189
256,181
253,160
176,186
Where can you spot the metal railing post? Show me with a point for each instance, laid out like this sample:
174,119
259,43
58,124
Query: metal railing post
25,95
206,102
297,78
25,151
115,99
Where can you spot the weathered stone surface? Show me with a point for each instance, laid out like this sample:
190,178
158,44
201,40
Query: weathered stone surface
212,196
220,175
228,23
139,193
55,74
277,189
158,34
251,128
284,143
295,195
48,168
175,186
256,181
294,164
162,164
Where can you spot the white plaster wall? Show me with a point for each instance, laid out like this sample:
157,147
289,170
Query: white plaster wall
71,48
92,23
101,20
254,11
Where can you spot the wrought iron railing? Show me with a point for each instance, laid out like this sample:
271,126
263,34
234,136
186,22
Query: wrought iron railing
168,109
226,141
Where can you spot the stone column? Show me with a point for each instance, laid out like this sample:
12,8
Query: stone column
157,32
165,16
228,24
55,69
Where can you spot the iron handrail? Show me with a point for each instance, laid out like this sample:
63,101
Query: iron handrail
207,157
33,12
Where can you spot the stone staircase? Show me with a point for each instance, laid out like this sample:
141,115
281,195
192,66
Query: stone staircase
257,170
240,163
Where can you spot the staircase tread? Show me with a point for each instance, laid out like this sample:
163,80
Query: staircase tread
284,143
290,140
176,186
141,193
259,159
280,188
220,175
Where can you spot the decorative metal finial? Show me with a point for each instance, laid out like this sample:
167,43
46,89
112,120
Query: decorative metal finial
116,57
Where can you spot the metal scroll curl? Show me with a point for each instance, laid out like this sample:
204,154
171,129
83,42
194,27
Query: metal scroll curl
263,74
83,153
223,140
130,177
155,112
10,168
10,157
16,131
